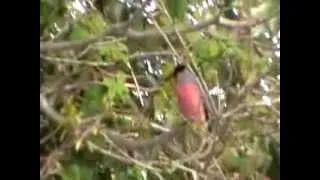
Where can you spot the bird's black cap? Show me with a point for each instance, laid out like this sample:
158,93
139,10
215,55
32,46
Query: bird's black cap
179,68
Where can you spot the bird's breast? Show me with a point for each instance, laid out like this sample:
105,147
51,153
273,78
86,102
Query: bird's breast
190,101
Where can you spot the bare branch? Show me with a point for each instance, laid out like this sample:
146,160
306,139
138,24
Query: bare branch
135,82
74,61
122,29
240,24
121,158
115,136
49,111
117,30
152,53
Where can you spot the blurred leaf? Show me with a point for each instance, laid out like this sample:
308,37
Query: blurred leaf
116,88
79,33
164,21
88,26
70,110
113,52
123,120
207,49
94,22
130,173
274,169
135,173
231,159
177,8
77,172
51,11
194,36
93,100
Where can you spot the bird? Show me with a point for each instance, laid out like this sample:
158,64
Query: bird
189,96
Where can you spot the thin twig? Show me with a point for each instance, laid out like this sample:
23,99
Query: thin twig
159,127
135,82
153,53
91,145
116,29
165,36
115,136
219,168
45,107
101,64
121,158
70,87
49,135
195,154
234,111
121,29
90,46
74,61
192,171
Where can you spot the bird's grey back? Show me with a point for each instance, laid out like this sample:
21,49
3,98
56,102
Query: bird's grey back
185,76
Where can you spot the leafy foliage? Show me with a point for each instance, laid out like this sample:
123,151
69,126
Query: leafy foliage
116,116
112,52
117,90
93,100
77,172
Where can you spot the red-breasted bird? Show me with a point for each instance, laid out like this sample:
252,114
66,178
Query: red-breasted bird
189,95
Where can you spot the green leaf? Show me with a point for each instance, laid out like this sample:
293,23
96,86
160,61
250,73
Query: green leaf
130,173
194,36
116,88
51,12
207,49
79,33
113,52
93,22
71,173
93,100
70,110
77,172
177,8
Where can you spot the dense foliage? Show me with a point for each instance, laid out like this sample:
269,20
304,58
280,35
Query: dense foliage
108,106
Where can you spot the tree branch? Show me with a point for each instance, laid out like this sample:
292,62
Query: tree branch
49,111
116,137
122,29
116,29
